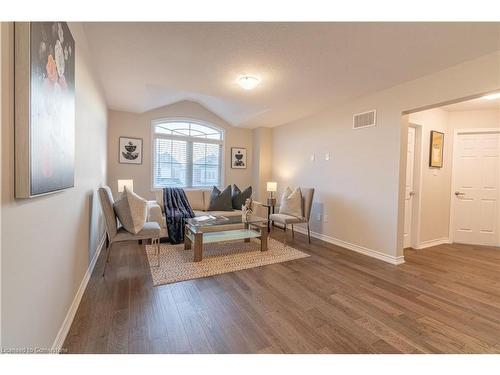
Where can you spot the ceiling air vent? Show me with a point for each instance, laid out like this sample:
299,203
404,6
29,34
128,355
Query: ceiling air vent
364,120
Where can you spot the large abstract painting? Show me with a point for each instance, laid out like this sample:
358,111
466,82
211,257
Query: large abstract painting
45,108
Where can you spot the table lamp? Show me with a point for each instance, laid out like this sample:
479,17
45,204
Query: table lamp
129,184
272,187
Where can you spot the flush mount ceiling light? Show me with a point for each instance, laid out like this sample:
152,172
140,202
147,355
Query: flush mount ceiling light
491,96
248,82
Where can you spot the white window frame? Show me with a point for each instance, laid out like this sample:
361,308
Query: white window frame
155,135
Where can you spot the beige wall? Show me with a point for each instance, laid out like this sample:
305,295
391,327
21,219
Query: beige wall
436,182
139,125
262,161
361,188
48,241
486,118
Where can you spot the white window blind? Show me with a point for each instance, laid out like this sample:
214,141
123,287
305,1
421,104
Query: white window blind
186,154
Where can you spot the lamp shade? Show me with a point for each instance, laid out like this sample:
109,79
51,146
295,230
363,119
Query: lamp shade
125,183
272,186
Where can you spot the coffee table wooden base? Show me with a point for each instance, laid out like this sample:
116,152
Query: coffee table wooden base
195,241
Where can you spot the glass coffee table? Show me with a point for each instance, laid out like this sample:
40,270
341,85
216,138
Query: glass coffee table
209,229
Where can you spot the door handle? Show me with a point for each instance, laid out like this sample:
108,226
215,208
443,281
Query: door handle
457,193
412,193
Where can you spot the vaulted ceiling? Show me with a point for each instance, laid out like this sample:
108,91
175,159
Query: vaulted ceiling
304,67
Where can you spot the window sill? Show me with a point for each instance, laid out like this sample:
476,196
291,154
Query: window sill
189,187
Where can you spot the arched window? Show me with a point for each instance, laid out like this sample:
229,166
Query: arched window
186,154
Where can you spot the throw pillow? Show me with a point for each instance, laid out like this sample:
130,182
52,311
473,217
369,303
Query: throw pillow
239,197
221,201
291,202
131,210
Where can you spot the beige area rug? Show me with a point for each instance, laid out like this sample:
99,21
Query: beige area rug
176,264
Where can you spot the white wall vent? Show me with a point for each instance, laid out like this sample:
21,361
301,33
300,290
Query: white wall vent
364,120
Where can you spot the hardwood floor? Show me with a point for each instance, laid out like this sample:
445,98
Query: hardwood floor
443,299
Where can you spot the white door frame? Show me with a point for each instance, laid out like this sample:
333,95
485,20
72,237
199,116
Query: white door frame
417,185
456,132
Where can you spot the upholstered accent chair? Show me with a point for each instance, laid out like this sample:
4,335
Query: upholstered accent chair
307,199
115,234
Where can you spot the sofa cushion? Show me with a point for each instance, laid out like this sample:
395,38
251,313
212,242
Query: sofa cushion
195,198
132,211
207,193
239,197
221,200
159,199
291,203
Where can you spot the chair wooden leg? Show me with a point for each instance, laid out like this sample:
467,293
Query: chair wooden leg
308,233
284,237
108,249
293,232
107,259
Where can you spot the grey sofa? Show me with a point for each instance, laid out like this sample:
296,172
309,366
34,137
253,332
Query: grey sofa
199,199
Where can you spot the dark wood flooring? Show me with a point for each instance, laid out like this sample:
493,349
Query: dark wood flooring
444,299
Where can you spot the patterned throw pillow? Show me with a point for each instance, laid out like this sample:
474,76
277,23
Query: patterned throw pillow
239,197
221,201
131,210
291,202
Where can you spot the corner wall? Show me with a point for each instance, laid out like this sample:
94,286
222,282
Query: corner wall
262,161
48,242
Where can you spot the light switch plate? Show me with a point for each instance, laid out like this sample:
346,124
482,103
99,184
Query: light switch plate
312,157
318,217
327,156
325,218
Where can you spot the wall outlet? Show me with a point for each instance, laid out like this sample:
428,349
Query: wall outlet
312,157
325,218
327,156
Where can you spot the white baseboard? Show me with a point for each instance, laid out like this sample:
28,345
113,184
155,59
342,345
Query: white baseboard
357,248
68,320
430,243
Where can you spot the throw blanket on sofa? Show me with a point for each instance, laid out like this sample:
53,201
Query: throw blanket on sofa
177,209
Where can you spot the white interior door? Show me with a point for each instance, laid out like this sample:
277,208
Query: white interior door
409,193
476,193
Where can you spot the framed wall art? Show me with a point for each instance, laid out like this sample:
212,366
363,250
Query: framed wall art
44,108
130,150
436,149
238,157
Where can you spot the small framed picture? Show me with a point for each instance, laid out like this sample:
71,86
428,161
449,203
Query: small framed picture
436,149
238,157
130,150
